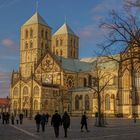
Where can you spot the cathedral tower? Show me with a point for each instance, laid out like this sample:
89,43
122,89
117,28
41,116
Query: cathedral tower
34,42
65,42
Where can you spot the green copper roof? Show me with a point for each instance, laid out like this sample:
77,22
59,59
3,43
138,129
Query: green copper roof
64,29
36,19
75,65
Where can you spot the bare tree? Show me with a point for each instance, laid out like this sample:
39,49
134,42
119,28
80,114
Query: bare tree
101,79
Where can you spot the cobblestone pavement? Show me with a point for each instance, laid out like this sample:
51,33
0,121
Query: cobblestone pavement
116,129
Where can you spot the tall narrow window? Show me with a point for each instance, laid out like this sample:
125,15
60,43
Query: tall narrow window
56,52
42,45
61,42
87,103
25,91
107,102
31,44
77,106
31,33
61,52
26,45
26,33
35,105
46,35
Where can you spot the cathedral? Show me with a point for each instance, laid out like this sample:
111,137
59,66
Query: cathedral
51,76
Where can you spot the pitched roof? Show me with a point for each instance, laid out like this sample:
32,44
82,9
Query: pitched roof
75,65
4,101
36,18
64,29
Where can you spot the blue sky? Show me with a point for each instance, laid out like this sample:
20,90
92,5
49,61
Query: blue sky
83,16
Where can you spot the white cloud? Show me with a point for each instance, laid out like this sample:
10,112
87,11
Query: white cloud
8,43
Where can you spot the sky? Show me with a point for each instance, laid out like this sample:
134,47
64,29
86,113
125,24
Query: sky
83,16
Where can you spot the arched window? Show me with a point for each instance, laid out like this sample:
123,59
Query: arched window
35,105
26,33
46,35
36,91
87,103
25,91
31,33
15,105
15,91
77,102
56,52
26,45
107,102
31,44
42,33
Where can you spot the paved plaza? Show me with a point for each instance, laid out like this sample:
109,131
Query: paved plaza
117,129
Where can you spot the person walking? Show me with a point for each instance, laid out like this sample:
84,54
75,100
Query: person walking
56,122
84,122
47,118
43,122
38,119
65,122
17,119
21,118
12,119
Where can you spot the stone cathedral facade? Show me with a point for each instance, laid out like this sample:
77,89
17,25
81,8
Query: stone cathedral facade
52,77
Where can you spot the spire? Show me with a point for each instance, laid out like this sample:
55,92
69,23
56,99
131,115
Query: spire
36,6
64,29
36,19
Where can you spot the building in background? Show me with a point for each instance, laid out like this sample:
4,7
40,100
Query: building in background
4,105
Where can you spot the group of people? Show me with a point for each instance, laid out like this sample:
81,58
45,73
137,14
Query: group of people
6,117
57,121
41,120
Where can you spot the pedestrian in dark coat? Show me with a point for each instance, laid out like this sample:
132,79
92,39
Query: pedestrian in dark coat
65,122
84,122
12,119
21,118
47,117
7,118
43,122
38,119
3,118
56,122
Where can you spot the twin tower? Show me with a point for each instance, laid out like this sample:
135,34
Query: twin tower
37,39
